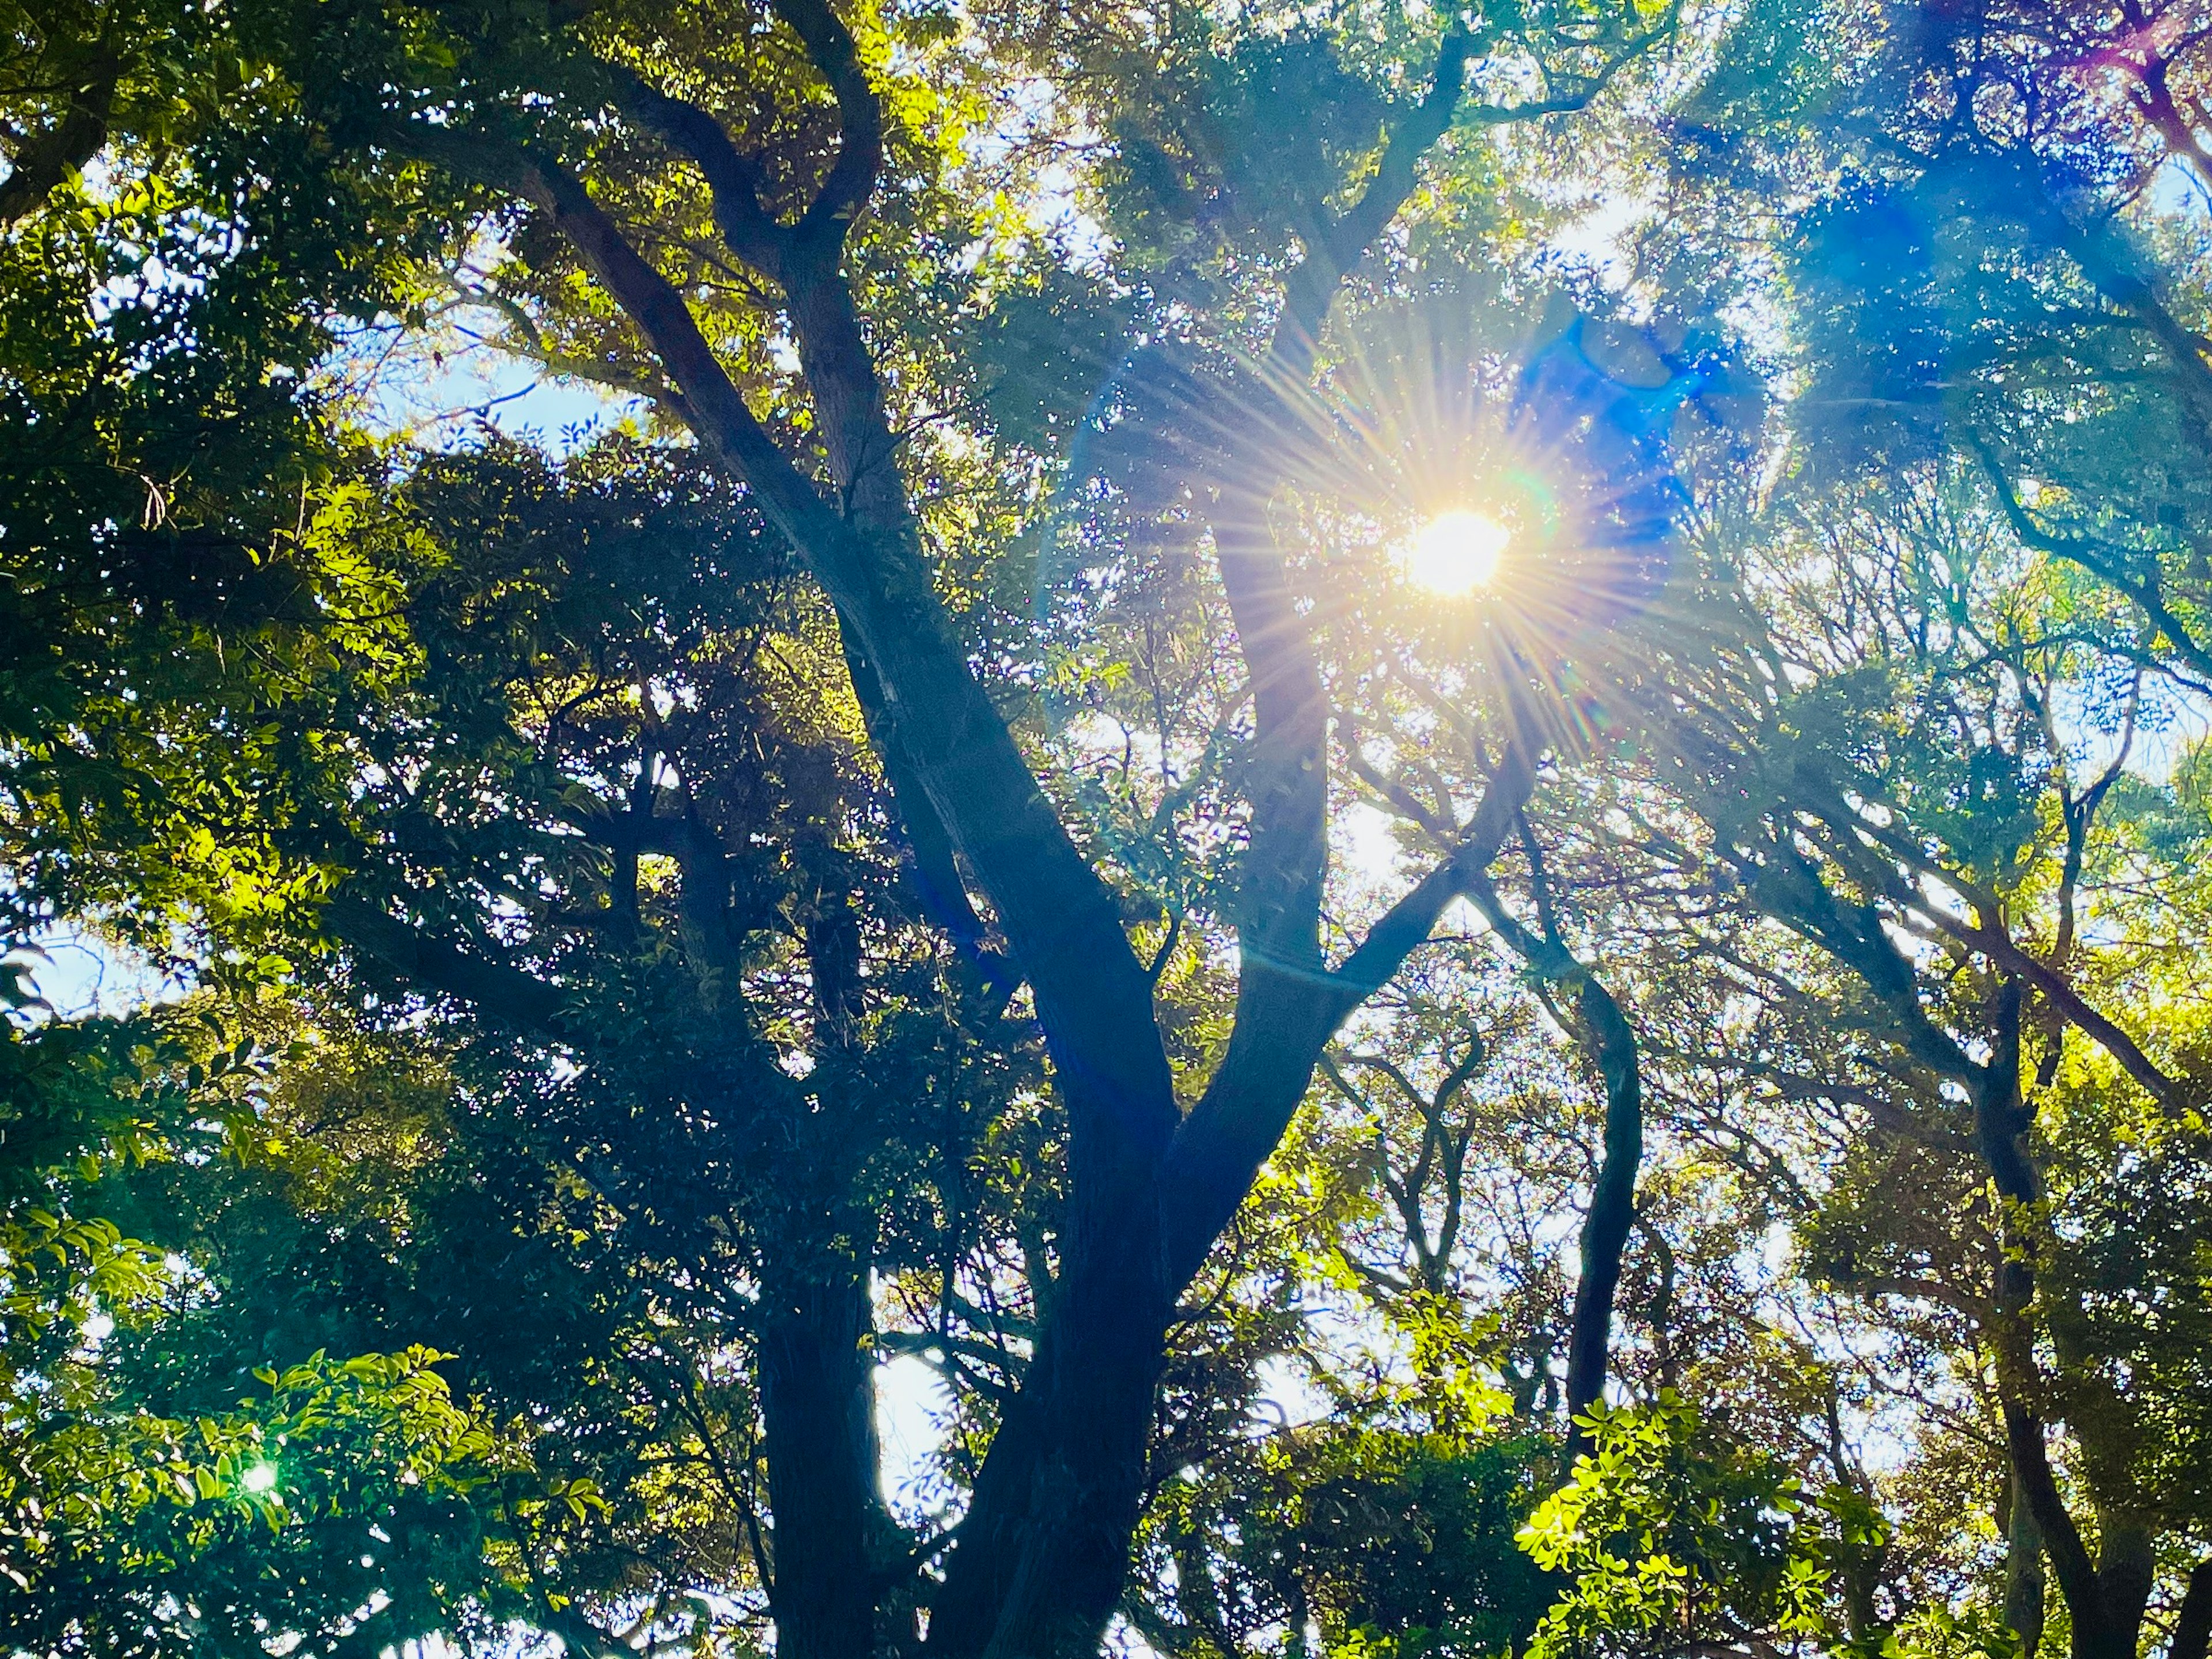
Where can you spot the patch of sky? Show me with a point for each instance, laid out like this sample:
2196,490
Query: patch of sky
1286,1398
2093,720
913,1411
433,394
1030,125
81,975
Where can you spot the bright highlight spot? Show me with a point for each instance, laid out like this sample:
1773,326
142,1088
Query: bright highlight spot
260,1478
1456,553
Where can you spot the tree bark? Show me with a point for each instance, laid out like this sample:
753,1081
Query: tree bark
1610,1041
2025,1579
1611,1044
2127,1568
817,1411
2069,1558
2192,1630
1792,890
1044,1551
44,159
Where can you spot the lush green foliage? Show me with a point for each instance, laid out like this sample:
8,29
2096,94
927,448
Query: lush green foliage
936,865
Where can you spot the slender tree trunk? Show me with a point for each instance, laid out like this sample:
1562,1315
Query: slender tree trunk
1607,1037
1611,1044
2001,1119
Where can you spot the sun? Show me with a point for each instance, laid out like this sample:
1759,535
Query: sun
1454,554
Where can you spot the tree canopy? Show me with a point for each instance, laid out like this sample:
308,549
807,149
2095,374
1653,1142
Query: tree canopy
1369,830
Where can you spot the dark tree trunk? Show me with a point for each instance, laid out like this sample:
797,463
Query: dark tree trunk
2002,1120
818,1407
1610,1041
1611,1044
2098,1634
44,159
2126,1570
2024,1578
1041,1560
2192,1630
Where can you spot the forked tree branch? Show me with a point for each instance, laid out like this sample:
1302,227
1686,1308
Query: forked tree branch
1343,242
2100,559
1988,935
1406,925
2062,1539
1274,1045
509,995
732,182
852,177
1064,923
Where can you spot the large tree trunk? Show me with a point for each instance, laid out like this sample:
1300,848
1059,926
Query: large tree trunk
2192,1630
1043,1553
2069,1558
818,1407
2126,1570
2024,1578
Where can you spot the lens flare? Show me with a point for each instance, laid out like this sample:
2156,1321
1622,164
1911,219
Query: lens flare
1455,554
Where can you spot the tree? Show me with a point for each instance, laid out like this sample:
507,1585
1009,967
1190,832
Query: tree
1039,1558
857,860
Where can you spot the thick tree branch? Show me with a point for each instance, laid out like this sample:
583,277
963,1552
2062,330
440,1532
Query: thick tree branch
1975,1308
1788,889
780,252
936,873
503,993
1064,924
1995,943
1340,245
1273,1048
1882,1112
2113,270
1278,919
1991,938
2099,559
46,159
1406,925
852,177
732,182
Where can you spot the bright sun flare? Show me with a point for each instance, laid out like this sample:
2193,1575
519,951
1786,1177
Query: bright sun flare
1456,553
